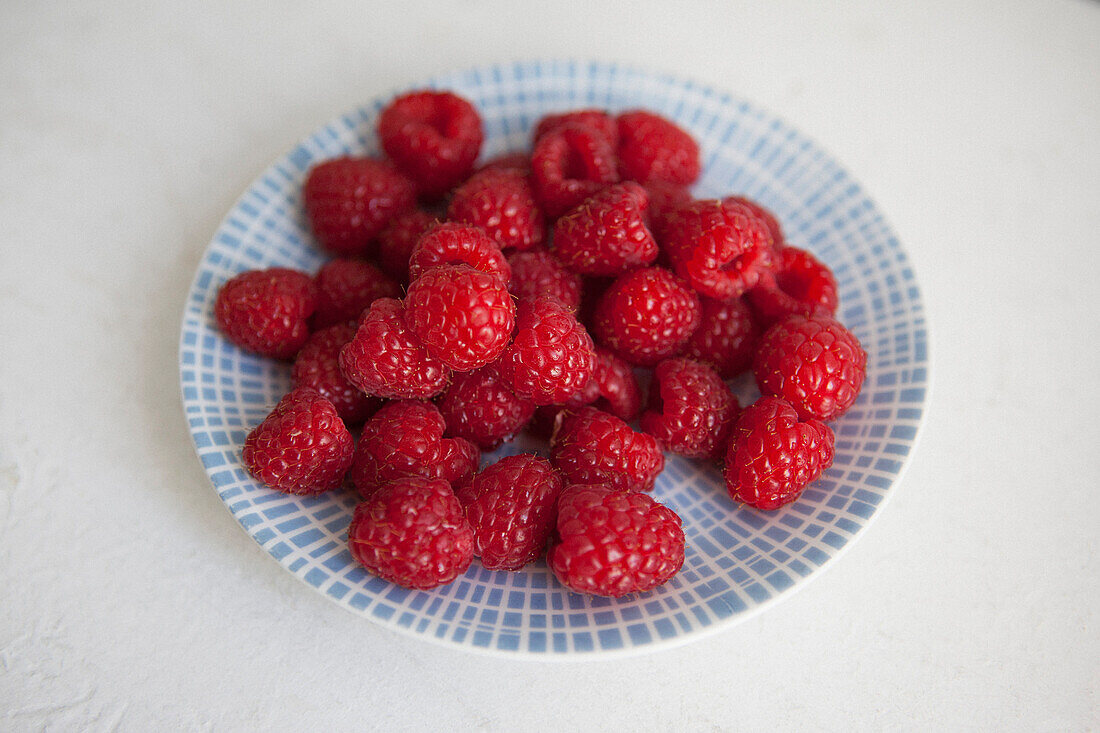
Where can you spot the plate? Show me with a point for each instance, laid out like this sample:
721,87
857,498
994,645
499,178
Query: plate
739,560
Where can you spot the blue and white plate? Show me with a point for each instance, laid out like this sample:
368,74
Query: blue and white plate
738,560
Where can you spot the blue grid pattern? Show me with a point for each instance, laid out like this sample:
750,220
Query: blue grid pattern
738,559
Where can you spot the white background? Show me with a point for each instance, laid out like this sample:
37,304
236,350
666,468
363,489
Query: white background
129,597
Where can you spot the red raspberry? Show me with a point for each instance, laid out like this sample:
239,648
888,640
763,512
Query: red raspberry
406,439
765,215
613,388
610,543
350,200
511,506
317,366
646,316
606,234
464,317
720,247
652,148
302,447
814,363
726,337
570,164
799,284
458,244
433,137
538,272
502,203
691,410
592,447
597,119
478,406
552,356
508,161
386,360
345,288
412,532
396,243
664,199
772,456
267,311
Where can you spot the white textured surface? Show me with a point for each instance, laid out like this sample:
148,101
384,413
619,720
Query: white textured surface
132,600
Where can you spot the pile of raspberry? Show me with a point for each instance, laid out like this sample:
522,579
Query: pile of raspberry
579,292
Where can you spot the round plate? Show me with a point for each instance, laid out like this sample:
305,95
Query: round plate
738,560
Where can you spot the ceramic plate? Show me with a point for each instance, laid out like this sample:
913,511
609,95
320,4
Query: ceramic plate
738,560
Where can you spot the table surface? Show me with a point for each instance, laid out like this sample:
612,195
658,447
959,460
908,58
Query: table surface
133,601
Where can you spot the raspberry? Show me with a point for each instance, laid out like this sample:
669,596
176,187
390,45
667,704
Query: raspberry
464,317
570,164
511,506
720,247
772,456
317,366
610,543
778,240
613,388
412,532
386,360
798,285
458,244
345,288
538,272
350,200
726,337
302,447
596,119
593,447
552,355
814,363
646,316
664,198
606,234
267,311
406,439
652,148
433,137
479,407
396,243
502,203
691,410
508,161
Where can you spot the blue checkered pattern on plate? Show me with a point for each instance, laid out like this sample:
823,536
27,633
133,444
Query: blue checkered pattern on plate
738,559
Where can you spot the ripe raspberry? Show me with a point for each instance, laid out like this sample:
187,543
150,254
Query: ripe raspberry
772,456
646,316
538,272
508,161
386,360
597,119
652,148
613,388
814,363
267,311
511,506
570,164
458,244
606,234
691,410
396,243
302,447
551,357
502,203
433,137
464,317
664,198
799,284
479,407
719,247
345,288
317,367
726,337
350,200
593,447
765,215
412,532
406,439
610,543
